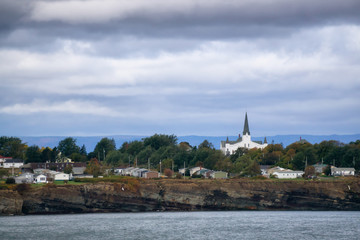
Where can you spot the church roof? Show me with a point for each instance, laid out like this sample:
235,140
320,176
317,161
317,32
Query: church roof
246,126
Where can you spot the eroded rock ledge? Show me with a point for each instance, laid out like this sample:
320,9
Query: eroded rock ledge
183,195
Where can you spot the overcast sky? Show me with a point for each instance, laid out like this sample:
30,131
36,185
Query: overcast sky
189,67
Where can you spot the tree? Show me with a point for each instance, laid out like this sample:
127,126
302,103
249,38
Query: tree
83,150
115,158
206,144
77,157
327,170
253,169
33,154
12,147
134,148
104,147
46,154
160,140
94,167
309,171
68,169
4,172
68,146
168,172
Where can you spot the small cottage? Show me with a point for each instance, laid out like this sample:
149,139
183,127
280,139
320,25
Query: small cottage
40,179
61,177
342,171
219,175
288,174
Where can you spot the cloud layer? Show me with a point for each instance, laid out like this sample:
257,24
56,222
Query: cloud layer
188,67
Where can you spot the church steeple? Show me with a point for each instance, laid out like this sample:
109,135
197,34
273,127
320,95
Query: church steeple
246,126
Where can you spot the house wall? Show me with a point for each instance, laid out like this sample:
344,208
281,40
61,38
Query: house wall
219,175
151,175
282,175
62,177
10,165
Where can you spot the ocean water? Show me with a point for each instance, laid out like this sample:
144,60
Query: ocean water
185,225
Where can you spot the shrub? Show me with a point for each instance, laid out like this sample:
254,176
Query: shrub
178,176
22,187
168,172
10,180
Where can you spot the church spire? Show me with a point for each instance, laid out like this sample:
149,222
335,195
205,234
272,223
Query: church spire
246,126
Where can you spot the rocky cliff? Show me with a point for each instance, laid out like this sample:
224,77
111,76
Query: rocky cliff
183,195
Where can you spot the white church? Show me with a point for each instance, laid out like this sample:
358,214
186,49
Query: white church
230,147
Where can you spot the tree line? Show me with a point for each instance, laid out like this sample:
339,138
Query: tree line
166,150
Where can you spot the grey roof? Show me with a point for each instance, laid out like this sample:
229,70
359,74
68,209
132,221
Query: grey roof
246,126
14,160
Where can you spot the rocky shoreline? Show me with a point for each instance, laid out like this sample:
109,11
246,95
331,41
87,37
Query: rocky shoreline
182,195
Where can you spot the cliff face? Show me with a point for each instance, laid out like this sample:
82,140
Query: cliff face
183,195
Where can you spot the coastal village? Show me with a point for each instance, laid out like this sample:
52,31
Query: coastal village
65,169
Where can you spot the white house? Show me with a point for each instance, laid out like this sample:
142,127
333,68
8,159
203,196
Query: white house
288,174
25,178
230,147
40,179
13,163
60,176
194,170
3,159
342,171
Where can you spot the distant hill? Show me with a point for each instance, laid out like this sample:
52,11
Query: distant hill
90,142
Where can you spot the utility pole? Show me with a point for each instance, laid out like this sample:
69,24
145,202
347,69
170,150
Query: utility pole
149,164
305,162
129,161
160,167
104,154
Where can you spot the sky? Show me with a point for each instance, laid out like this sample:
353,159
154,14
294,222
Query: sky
189,67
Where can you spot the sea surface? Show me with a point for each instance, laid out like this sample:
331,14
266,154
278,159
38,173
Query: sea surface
185,225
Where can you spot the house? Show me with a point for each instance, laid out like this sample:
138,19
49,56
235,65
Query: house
288,174
128,171
137,172
3,159
219,174
264,169
230,147
78,170
84,176
40,179
39,171
319,167
194,169
271,171
13,163
151,174
25,178
60,176
201,172
342,171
